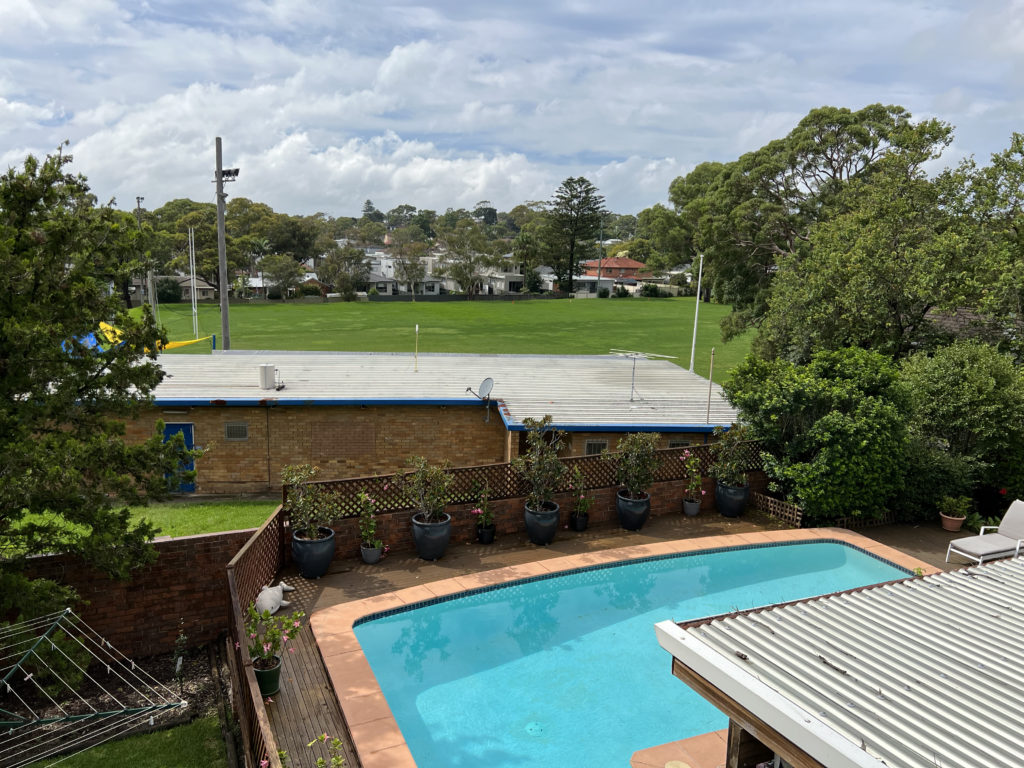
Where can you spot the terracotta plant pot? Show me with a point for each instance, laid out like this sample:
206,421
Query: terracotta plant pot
951,523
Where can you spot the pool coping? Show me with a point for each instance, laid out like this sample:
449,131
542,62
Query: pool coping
375,735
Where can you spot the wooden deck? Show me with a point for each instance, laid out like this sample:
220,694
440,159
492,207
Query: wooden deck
307,706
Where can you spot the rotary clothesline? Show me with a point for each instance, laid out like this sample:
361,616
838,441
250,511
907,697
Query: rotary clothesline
43,716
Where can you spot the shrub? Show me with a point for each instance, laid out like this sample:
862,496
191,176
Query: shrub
310,289
168,290
602,293
540,465
636,461
834,430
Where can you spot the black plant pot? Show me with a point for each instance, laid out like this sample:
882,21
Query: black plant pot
431,539
542,524
485,533
633,513
579,522
313,556
731,500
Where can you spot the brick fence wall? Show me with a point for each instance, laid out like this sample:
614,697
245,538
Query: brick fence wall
141,617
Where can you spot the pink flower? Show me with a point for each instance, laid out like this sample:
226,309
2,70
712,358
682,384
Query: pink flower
476,511
252,635
291,650
703,492
268,700
264,763
266,647
385,486
284,638
295,623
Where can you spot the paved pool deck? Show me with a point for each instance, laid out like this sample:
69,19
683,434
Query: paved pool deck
353,590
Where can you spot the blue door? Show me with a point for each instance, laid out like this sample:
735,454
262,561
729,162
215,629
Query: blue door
186,430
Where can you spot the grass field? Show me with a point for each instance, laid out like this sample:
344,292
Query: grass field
196,745
187,518
659,326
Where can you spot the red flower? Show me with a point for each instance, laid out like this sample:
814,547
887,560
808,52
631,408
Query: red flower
1002,491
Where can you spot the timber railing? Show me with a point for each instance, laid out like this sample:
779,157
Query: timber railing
256,564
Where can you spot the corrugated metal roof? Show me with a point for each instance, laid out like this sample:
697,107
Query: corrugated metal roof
923,673
580,392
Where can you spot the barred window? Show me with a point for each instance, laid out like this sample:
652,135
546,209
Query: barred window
678,443
594,447
236,431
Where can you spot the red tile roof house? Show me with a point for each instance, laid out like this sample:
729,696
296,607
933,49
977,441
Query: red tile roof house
615,266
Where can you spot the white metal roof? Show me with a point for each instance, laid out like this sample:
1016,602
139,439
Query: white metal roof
921,673
578,391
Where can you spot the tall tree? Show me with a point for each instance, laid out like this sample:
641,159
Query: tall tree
746,215
467,254
371,213
873,274
574,219
409,251
346,269
66,474
282,271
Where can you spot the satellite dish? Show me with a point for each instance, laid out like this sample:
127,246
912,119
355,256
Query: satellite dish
485,387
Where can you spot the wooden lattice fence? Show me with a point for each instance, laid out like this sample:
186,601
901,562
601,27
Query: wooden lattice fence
503,481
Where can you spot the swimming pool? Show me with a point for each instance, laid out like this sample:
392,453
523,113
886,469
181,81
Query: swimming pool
565,670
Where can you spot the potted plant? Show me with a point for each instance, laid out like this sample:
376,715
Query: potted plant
427,486
953,511
636,460
484,516
309,511
732,490
370,545
693,483
581,503
266,636
542,470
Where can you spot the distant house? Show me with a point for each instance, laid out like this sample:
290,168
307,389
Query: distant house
615,266
384,285
204,290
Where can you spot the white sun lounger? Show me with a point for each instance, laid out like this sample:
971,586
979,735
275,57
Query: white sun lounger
1005,542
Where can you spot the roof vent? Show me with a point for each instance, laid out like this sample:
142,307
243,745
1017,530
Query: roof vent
268,376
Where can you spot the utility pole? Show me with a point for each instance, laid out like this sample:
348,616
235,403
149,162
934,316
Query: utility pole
600,256
220,177
696,314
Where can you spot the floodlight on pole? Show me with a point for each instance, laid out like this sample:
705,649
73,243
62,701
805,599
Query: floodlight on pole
696,312
220,176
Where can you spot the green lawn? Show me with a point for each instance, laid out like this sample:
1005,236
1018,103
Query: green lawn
589,326
196,745
187,518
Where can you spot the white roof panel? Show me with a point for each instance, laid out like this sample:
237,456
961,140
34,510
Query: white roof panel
920,673
578,391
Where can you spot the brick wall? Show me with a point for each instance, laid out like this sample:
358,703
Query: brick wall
344,441
141,617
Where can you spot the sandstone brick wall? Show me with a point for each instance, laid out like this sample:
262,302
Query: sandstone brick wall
141,617
344,441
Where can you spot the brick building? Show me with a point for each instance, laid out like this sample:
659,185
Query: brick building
359,414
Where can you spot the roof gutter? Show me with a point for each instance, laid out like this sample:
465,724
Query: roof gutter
799,726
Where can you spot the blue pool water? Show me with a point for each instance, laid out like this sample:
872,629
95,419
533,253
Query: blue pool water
566,670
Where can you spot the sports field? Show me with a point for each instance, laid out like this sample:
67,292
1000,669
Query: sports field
590,326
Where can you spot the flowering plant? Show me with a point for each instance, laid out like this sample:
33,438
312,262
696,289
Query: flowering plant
268,634
581,503
367,521
483,513
693,485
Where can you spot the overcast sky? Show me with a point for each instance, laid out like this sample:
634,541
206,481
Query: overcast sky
322,105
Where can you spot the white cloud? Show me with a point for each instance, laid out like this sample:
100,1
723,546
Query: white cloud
323,105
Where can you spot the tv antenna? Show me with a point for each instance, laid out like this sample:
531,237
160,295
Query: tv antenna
633,394
485,394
